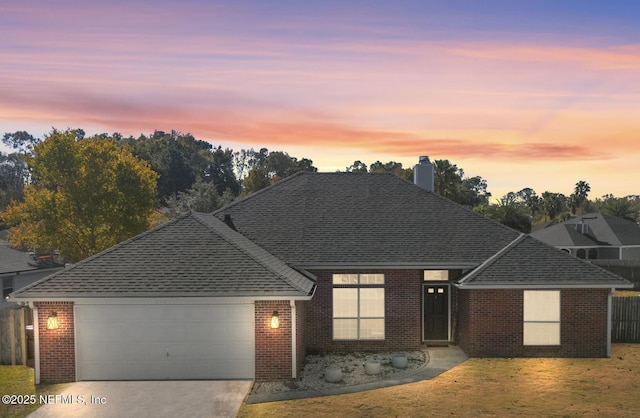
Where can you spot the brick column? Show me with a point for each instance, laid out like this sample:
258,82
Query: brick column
57,346
273,346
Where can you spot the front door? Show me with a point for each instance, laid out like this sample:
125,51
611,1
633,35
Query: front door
436,311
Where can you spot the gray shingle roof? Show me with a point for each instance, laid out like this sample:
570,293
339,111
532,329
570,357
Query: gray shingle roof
529,262
315,219
193,255
18,262
13,261
601,230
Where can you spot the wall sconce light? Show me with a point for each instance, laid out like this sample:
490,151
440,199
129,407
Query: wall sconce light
52,321
275,320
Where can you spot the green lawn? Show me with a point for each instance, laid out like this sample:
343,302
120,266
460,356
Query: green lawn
19,381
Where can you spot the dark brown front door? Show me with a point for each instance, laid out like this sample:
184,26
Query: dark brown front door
436,311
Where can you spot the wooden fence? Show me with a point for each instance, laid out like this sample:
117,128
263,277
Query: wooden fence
625,318
15,339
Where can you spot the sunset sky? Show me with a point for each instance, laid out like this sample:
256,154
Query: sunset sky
538,94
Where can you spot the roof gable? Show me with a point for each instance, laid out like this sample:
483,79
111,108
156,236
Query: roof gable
527,262
316,219
193,255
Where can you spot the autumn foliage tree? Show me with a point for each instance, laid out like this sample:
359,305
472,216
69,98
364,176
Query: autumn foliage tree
86,195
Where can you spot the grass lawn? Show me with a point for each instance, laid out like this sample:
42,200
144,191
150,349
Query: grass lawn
493,387
18,380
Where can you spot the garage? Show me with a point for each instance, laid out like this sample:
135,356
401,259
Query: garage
165,341
189,299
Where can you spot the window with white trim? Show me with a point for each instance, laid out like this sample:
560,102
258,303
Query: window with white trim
358,306
439,275
541,317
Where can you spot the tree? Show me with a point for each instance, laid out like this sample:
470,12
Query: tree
473,192
553,204
241,163
14,174
446,178
86,195
450,182
22,141
179,159
202,197
357,167
220,172
257,179
508,211
581,192
267,168
620,207
392,167
529,198
305,165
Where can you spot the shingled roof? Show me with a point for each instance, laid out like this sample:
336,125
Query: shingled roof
527,262
14,261
313,220
193,255
600,229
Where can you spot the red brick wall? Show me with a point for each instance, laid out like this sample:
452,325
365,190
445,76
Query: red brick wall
584,322
301,309
273,346
491,322
403,313
57,346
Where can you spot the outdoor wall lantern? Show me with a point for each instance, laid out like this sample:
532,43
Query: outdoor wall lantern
52,321
275,320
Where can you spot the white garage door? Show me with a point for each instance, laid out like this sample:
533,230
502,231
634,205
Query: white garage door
139,342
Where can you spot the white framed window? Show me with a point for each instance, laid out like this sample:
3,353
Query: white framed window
541,317
358,307
435,275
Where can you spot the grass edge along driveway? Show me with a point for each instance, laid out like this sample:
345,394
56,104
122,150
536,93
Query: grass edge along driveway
19,380
492,387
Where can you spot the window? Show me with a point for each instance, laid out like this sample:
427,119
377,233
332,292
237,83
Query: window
439,275
541,317
358,307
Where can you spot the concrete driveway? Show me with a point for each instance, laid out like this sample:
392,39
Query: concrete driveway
200,398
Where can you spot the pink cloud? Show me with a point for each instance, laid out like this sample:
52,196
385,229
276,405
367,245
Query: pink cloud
460,99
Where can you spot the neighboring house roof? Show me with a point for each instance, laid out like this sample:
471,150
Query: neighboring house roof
600,230
527,262
15,262
193,255
313,220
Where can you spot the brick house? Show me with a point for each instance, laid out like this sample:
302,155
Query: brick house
319,262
